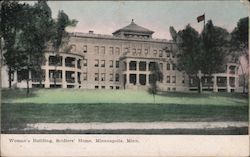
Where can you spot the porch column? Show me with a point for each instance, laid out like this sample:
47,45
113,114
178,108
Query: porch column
127,74
64,83
236,82
47,81
15,76
137,73
127,79
30,82
76,80
215,88
147,79
127,64
147,66
228,84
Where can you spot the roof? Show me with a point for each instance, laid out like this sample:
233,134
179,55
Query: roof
132,27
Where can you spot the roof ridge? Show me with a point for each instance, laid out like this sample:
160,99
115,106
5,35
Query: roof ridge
133,27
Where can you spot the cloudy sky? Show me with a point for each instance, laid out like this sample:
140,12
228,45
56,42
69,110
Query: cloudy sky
107,16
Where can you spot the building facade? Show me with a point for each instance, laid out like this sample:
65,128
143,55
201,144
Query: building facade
123,60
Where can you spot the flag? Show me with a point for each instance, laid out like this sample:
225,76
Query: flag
201,18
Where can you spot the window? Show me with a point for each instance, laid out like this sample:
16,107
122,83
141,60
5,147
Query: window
73,48
117,51
102,63
174,89
111,62
96,87
85,49
111,76
103,87
117,77
134,52
160,53
126,50
117,64
146,52
168,79
96,77
55,60
174,67
102,76
139,52
168,54
173,55
117,87
111,87
173,79
183,80
191,81
132,65
102,50
168,66
142,66
161,66
85,62
96,63
111,50
85,76
96,50
155,53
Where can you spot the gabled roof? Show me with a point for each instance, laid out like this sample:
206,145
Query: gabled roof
132,27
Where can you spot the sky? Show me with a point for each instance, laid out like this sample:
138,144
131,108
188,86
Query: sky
107,16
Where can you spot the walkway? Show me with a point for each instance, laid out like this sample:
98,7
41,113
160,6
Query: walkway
134,125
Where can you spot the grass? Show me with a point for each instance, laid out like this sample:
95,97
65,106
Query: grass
215,131
68,96
76,113
78,106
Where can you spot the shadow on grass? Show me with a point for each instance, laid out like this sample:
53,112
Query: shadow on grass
81,113
203,94
214,131
19,93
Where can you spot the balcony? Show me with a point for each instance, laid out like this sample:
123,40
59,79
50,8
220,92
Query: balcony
57,80
207,84
232,72
70,80
37,79
221,84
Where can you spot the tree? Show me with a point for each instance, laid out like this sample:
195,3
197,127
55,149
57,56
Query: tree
60,35
173,33
35,37
203,53
239,40
214,47
189,55
239,47
10,28
155,76
45,33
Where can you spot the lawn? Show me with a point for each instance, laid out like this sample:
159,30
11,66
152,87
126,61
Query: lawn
77,96
77,106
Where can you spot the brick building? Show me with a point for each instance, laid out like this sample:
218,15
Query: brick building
122,60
